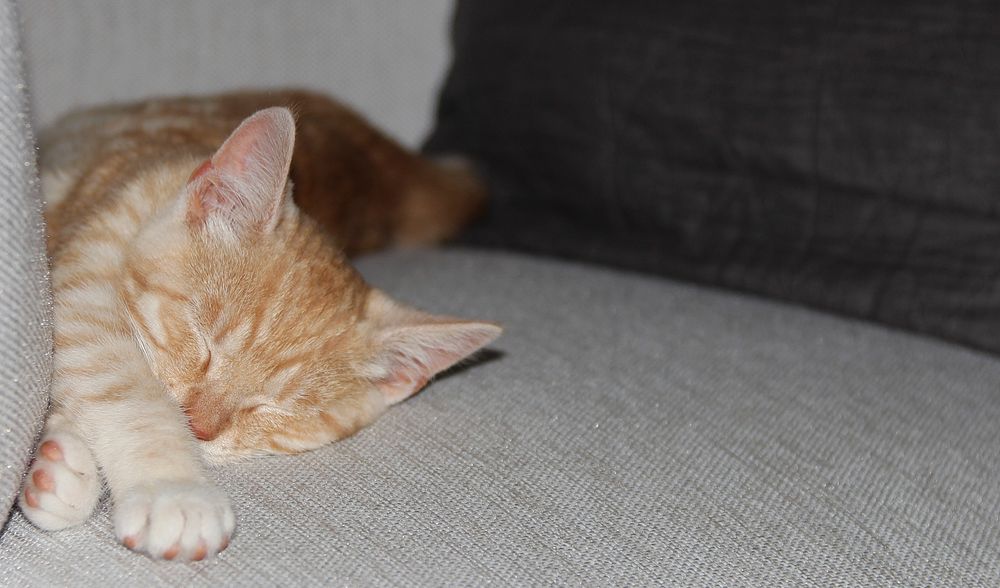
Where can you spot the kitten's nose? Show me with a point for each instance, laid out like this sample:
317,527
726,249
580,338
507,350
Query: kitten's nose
205,420
202,433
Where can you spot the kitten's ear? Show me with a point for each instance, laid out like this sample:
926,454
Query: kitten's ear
243,185
411,347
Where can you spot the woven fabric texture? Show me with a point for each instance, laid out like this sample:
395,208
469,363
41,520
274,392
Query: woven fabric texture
843,154
624,431
25,325
386,58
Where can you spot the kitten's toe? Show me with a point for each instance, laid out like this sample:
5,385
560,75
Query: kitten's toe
184,521
62,487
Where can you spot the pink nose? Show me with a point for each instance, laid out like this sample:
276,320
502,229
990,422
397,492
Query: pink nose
205,424
203,433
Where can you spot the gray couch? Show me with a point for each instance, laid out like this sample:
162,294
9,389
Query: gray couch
626,430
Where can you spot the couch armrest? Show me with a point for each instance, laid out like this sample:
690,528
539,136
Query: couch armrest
25,299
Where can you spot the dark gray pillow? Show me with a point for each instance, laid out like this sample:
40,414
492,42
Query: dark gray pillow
844,155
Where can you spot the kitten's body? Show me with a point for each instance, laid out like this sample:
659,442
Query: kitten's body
194,300
364,189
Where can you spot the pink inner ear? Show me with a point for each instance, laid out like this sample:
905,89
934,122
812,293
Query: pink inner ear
410,374
411,347
399,386
249,141
201,170
243,183
413,355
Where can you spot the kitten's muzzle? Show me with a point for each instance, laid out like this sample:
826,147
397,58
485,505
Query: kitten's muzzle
205,418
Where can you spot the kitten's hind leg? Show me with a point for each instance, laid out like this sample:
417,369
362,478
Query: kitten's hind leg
62,485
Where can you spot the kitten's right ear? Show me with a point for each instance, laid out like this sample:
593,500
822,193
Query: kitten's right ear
242,187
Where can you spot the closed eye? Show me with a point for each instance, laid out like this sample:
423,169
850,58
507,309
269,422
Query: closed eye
207,362
266,409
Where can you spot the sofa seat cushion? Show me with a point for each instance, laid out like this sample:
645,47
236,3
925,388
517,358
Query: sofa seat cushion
625,430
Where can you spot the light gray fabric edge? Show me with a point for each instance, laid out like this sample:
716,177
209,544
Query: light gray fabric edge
385,58
25,325
626,431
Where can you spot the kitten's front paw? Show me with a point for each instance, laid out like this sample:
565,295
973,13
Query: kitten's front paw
62,487
187,521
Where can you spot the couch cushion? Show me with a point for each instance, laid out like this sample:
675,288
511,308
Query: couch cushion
625,430
844,155
25,325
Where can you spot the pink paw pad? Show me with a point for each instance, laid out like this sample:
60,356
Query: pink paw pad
43,480
51,451
200,552
62,486
30,498
188,521
172,552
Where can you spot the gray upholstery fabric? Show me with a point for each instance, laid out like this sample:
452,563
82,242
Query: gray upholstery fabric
386,58
627,430
25,326
630,431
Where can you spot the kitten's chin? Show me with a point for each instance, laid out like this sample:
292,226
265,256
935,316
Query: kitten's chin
219,452
216,454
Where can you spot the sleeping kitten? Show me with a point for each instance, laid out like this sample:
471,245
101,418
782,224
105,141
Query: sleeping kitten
201,309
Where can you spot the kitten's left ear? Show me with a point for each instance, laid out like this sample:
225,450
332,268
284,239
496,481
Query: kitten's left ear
242,186
411,347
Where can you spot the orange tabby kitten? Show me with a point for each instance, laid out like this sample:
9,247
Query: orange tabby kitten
201,309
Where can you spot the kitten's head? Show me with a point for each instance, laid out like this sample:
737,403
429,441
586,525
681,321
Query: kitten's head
268,339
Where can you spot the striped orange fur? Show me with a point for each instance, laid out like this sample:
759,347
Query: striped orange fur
204,305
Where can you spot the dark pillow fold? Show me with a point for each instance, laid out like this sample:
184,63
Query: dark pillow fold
844,155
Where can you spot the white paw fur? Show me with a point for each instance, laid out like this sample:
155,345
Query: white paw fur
184,521
62,486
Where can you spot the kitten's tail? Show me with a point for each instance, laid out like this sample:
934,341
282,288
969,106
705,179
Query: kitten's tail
448,197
